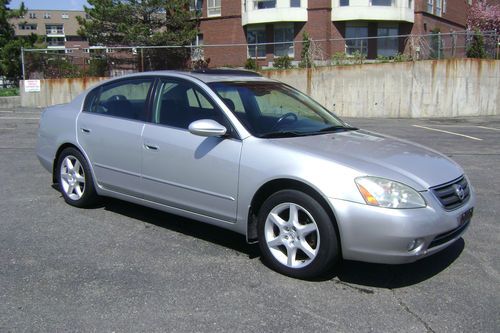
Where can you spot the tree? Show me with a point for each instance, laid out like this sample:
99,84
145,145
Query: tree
484,17
143,23
10,45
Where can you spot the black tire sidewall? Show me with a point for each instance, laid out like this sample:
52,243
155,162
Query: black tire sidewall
328,250
89,195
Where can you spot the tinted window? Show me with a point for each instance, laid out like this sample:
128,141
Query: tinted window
126,99
179,103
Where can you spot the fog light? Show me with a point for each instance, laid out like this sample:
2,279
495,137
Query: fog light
414,244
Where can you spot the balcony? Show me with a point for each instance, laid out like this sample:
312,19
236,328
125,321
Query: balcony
54,30
373,10
269,11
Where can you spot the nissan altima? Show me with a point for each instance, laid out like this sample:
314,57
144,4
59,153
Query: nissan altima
256,156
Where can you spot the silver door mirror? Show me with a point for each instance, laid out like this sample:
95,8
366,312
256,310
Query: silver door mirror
207,127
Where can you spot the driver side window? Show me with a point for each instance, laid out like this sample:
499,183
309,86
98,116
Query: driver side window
124,99
179,103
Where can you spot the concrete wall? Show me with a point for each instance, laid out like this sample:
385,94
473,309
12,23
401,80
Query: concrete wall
56,91
10,102
443,88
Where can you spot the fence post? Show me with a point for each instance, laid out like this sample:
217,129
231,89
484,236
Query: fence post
142,59
22,62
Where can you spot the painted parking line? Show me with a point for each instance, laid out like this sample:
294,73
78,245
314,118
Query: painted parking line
20,118
467,126
489,128
448,132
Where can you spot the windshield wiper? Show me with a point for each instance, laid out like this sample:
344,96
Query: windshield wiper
281,134
338,128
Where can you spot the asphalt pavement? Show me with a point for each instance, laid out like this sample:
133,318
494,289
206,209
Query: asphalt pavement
120,267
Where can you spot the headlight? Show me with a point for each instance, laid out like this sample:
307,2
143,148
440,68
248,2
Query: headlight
387,193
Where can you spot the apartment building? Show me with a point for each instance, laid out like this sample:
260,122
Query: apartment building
59,28
275,28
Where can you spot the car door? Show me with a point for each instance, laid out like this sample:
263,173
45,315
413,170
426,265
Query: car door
183,170
109,131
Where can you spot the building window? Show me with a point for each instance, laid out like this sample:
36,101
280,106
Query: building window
213,8
438,7
294,3
255,36
381,2
430,6
344,3
410,3
196,48
69,50
264,4
195,5
355,38
32,15
283,37
27,26
387,46
46,16
444,6
65,16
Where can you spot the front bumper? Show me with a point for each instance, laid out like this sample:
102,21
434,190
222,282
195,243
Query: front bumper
382,235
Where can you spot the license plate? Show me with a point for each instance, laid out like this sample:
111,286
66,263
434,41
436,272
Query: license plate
465,217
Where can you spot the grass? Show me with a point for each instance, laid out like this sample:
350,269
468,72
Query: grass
9,92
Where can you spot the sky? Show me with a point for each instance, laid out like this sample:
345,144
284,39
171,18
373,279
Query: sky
50,4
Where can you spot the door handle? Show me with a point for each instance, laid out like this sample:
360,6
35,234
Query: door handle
85,130
151,147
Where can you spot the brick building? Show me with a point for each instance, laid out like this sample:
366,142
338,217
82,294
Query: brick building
275,28
59,28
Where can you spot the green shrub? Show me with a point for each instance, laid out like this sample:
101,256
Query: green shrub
476,48
305,55
4,92
339,58
251,64
284,62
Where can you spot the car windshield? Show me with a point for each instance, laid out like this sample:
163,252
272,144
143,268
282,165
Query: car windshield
273,109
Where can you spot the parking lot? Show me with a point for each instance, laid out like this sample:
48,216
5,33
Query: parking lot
120,267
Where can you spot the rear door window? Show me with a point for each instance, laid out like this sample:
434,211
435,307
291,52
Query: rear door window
124,99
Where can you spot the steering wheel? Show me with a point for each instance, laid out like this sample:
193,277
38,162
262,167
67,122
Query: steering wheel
283,117
117,98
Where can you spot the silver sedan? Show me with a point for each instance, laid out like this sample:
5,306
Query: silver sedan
255,156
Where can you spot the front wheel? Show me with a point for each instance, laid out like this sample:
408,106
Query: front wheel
75,179
296,236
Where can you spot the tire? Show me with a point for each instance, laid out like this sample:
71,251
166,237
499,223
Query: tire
296,235
75,179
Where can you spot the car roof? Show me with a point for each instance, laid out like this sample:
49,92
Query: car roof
207,76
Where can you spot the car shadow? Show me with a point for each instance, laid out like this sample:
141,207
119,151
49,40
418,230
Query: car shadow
397,276
185,226
348,272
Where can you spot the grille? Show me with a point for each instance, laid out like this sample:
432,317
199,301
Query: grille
448,194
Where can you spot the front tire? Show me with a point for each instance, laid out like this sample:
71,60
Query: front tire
75,179
296,235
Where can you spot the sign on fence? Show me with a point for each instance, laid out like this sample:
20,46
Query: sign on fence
32,86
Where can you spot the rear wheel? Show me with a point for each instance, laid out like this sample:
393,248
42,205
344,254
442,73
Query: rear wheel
75,179
296,236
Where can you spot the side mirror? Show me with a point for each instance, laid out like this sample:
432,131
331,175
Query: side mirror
207,127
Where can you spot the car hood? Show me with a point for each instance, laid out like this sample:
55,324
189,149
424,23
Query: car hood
378,155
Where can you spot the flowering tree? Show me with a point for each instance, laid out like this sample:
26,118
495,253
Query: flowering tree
484,17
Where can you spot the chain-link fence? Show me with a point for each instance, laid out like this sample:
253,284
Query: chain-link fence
116,61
